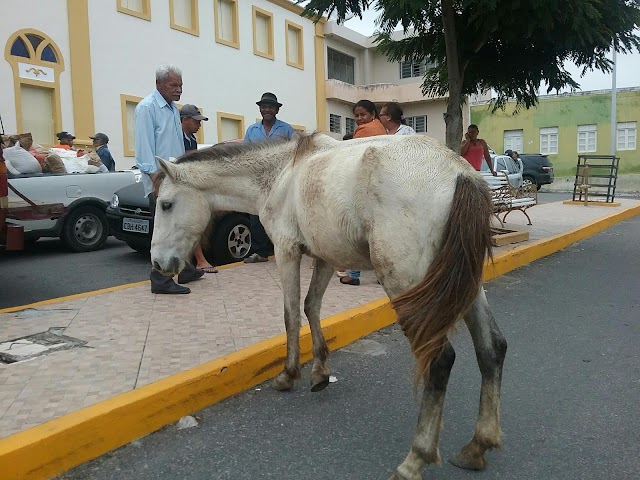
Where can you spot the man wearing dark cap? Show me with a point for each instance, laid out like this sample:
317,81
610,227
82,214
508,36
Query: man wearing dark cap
65,141
191,120
100,141
269,129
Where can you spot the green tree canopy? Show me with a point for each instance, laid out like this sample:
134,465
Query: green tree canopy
509,46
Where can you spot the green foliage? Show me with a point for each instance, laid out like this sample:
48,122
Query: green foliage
510,46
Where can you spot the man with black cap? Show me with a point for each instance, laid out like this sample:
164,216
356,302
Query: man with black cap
269,129
191,120
100,141
65,141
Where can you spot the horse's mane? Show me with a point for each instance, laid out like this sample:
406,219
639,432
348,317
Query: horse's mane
303,145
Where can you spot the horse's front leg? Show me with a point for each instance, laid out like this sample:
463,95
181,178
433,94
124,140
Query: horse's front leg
288,261
424,449
322,274
491,348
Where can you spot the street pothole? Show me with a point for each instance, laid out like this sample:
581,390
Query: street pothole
36,345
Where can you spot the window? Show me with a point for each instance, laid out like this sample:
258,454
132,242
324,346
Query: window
37,112
262,33
295,51
128,104
230,126
587,138
549,140
137,8
627,135
513,140
341,66
414,69
36,63
350,125
335,123
184,16
226,16
419,124
300,129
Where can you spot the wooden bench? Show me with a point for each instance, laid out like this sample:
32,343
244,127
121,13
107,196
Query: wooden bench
507,198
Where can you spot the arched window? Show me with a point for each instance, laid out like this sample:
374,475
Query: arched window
36,63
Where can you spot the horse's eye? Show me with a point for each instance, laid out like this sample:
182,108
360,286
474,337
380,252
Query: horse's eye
166,205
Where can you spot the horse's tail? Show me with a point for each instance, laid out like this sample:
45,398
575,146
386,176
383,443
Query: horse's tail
428,311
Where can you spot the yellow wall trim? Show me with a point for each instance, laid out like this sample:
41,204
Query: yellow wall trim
292,7
129,150
235,43
255,13
195,20
145,14
80,58
321,95
230,116
299,62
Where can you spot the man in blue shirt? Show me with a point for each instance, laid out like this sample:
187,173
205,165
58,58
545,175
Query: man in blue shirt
158,132
269,129
100,141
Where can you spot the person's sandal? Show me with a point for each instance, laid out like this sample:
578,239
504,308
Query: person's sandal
255,258
350,281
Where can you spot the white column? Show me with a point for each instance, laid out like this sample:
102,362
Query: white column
614,123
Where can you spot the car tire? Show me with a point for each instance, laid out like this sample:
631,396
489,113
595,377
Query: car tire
231,240
86,229
140,248
526,181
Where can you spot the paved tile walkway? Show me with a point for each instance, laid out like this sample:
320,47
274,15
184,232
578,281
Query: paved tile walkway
135,338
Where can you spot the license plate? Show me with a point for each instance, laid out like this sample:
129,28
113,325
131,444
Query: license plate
135,225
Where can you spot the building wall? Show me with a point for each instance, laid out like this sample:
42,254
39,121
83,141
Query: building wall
566,112
216,77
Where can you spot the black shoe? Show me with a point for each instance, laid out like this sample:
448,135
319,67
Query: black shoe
191,276
171,289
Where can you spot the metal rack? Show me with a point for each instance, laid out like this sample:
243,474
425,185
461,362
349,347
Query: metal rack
596,176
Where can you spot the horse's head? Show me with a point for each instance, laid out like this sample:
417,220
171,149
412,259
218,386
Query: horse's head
182,215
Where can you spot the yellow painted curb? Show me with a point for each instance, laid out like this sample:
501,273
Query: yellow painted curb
58,445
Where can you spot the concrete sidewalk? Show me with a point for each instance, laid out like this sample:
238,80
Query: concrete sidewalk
134,338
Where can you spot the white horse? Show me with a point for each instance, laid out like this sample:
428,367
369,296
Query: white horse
407,207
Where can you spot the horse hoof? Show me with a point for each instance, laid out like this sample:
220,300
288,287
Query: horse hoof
282,382
468,462
319,382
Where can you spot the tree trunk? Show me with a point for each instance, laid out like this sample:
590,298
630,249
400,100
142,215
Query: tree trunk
453,117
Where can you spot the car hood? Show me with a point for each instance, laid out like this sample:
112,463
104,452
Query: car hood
133,195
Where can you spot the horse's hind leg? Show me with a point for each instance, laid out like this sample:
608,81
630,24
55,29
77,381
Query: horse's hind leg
322,274
491,348
424,448
289,267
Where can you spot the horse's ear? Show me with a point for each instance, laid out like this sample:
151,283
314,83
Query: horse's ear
167,167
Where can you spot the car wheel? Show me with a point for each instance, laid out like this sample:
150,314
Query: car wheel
86,229
140,248
232,239
526,181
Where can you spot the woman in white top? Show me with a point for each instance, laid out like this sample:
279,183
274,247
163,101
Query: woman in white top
393,120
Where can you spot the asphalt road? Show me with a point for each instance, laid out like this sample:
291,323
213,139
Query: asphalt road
47,270
570,393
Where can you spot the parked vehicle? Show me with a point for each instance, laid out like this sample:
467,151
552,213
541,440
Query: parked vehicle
85,196
538,169
131,221
504,163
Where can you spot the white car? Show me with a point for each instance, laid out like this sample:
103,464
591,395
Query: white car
84,227
504,163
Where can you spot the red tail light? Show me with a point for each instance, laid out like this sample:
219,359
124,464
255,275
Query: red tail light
546,169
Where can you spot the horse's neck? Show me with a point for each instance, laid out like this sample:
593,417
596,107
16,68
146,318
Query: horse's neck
242,183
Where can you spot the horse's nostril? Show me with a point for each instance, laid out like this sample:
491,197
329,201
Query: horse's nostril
156,265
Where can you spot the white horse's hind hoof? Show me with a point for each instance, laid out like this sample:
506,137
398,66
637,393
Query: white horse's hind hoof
319,382
283,382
